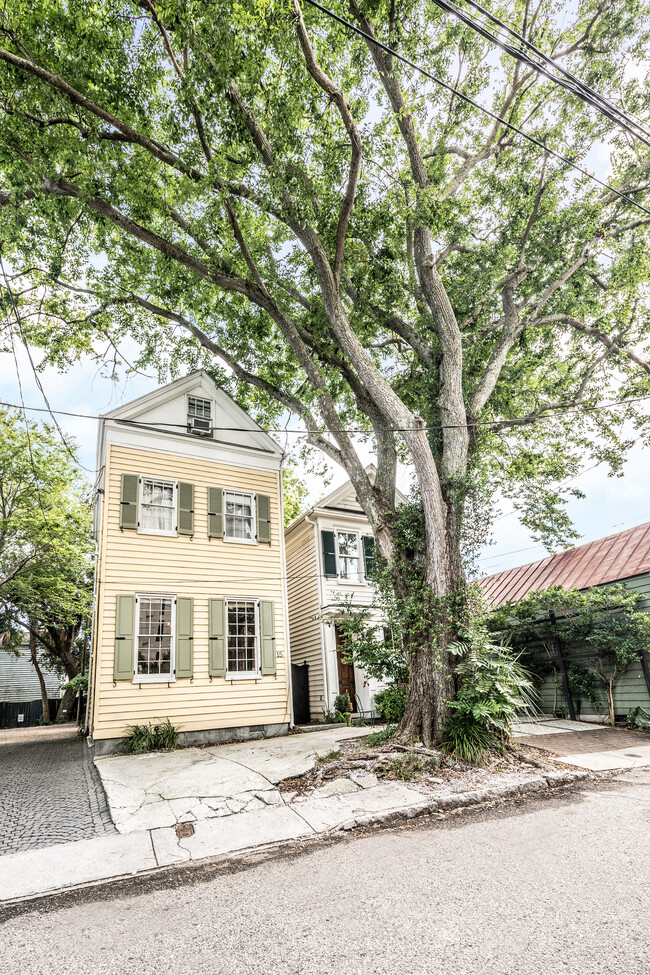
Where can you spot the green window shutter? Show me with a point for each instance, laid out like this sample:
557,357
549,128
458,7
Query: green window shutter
368,555
184,636
267,636
129,501
263,513
185,503
217,637
329,554
215,512
124,656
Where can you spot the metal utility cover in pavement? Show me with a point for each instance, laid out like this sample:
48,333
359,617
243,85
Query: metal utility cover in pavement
183,830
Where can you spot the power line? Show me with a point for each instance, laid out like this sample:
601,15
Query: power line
65,443
295,430
470,101
569,82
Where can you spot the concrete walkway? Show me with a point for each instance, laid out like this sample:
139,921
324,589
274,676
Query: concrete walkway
195,784
587,745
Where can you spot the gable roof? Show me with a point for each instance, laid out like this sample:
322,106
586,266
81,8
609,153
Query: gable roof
228,413
608,559
343,499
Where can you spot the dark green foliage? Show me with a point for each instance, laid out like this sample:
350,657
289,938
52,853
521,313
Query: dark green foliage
342,703
390,703
150,738
377,737
334,717
468,740
605,620
495,687
639,718
584,683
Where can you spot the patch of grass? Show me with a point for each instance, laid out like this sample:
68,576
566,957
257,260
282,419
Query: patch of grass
150,738
331,756
377,737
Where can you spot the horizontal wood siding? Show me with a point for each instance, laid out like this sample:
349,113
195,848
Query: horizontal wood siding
304,604
197,567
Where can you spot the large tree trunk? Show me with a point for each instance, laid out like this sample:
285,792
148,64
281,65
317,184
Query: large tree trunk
432,614
64,712
66,656
41,679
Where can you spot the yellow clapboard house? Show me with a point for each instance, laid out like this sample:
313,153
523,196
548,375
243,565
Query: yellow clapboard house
190,615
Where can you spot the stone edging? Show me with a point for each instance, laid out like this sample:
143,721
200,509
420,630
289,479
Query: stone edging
533,783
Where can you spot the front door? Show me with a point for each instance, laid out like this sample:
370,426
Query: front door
346,670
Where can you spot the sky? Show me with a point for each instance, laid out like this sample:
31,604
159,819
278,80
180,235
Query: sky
611,503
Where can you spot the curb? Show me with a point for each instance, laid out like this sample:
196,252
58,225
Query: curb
461,800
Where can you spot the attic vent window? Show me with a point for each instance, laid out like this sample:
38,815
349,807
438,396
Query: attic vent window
199,416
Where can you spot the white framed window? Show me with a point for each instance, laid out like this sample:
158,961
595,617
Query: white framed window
157,506
199,407
239,512
243,638
155,638
348,551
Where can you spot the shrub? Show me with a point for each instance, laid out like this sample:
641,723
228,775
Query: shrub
342,703
639,718
468,740
390,703
150,738
494,688
334,717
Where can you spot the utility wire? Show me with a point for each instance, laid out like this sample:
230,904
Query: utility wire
470,101
559,67
567,81
49,410
296,430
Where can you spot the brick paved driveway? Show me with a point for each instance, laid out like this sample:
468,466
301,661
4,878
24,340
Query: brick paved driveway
50,791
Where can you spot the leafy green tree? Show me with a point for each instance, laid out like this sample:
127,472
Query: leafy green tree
249,187
605,619
46,547
294,492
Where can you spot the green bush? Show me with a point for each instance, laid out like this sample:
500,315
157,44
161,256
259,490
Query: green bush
468,740
390,703
150,738
494,688
342,703
334,717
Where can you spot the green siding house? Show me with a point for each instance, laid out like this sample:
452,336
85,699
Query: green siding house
622,558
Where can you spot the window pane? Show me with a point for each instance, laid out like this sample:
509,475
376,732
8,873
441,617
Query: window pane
242,637
240,517
199,407
154,635
349,560
157,508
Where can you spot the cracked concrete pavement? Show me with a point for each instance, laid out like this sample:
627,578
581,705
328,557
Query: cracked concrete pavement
163,789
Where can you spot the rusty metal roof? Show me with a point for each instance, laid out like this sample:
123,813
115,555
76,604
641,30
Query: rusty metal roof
609,559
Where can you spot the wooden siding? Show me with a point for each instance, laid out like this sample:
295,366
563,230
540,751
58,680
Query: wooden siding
303,568
197,567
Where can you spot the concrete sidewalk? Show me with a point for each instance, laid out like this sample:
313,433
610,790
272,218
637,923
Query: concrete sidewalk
196,784
585,744
62,867
192,804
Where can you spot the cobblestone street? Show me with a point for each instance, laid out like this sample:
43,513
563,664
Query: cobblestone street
50,791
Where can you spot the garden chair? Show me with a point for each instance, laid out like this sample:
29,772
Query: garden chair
364,714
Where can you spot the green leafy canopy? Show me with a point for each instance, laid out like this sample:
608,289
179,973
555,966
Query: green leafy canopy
250,188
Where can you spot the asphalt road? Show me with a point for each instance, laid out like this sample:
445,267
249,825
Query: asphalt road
536,888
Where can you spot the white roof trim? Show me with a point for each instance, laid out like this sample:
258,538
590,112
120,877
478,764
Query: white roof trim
193,382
